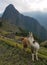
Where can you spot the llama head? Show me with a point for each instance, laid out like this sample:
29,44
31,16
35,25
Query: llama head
30,34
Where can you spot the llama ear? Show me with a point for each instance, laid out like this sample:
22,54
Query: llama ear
29,32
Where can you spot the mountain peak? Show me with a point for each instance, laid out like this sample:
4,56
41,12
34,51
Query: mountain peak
10,12
10,5
11,8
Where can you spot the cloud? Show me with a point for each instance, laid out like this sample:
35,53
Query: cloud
25,5
3,4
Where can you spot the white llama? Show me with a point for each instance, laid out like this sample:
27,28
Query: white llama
34,46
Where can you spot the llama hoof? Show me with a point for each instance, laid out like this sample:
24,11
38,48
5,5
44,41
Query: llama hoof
32,60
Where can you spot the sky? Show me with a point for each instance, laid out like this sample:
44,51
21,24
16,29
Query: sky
25,5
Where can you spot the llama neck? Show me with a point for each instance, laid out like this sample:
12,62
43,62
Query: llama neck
31,40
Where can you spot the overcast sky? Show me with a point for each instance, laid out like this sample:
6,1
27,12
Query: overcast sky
25,5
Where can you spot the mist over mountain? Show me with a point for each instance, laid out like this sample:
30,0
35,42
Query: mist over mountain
25,22
40,16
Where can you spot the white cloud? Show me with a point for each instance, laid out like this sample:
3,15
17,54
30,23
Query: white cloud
25,5
3,4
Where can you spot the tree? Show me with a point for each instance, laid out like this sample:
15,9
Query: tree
0,24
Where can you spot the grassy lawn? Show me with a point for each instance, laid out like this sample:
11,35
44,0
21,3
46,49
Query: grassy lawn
12,53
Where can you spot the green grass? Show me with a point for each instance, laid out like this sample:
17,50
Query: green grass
9,27
12,53
10,42
43,51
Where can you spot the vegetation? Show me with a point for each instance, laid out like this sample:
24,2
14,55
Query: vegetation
44,44
12,53
6,26
0,24
37,38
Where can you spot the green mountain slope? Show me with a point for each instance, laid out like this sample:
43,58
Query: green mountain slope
9,27
12,53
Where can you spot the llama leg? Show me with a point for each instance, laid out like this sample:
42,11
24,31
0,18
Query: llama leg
32,57
36,56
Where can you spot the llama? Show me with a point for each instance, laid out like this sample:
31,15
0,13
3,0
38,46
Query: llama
34,46
29,41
